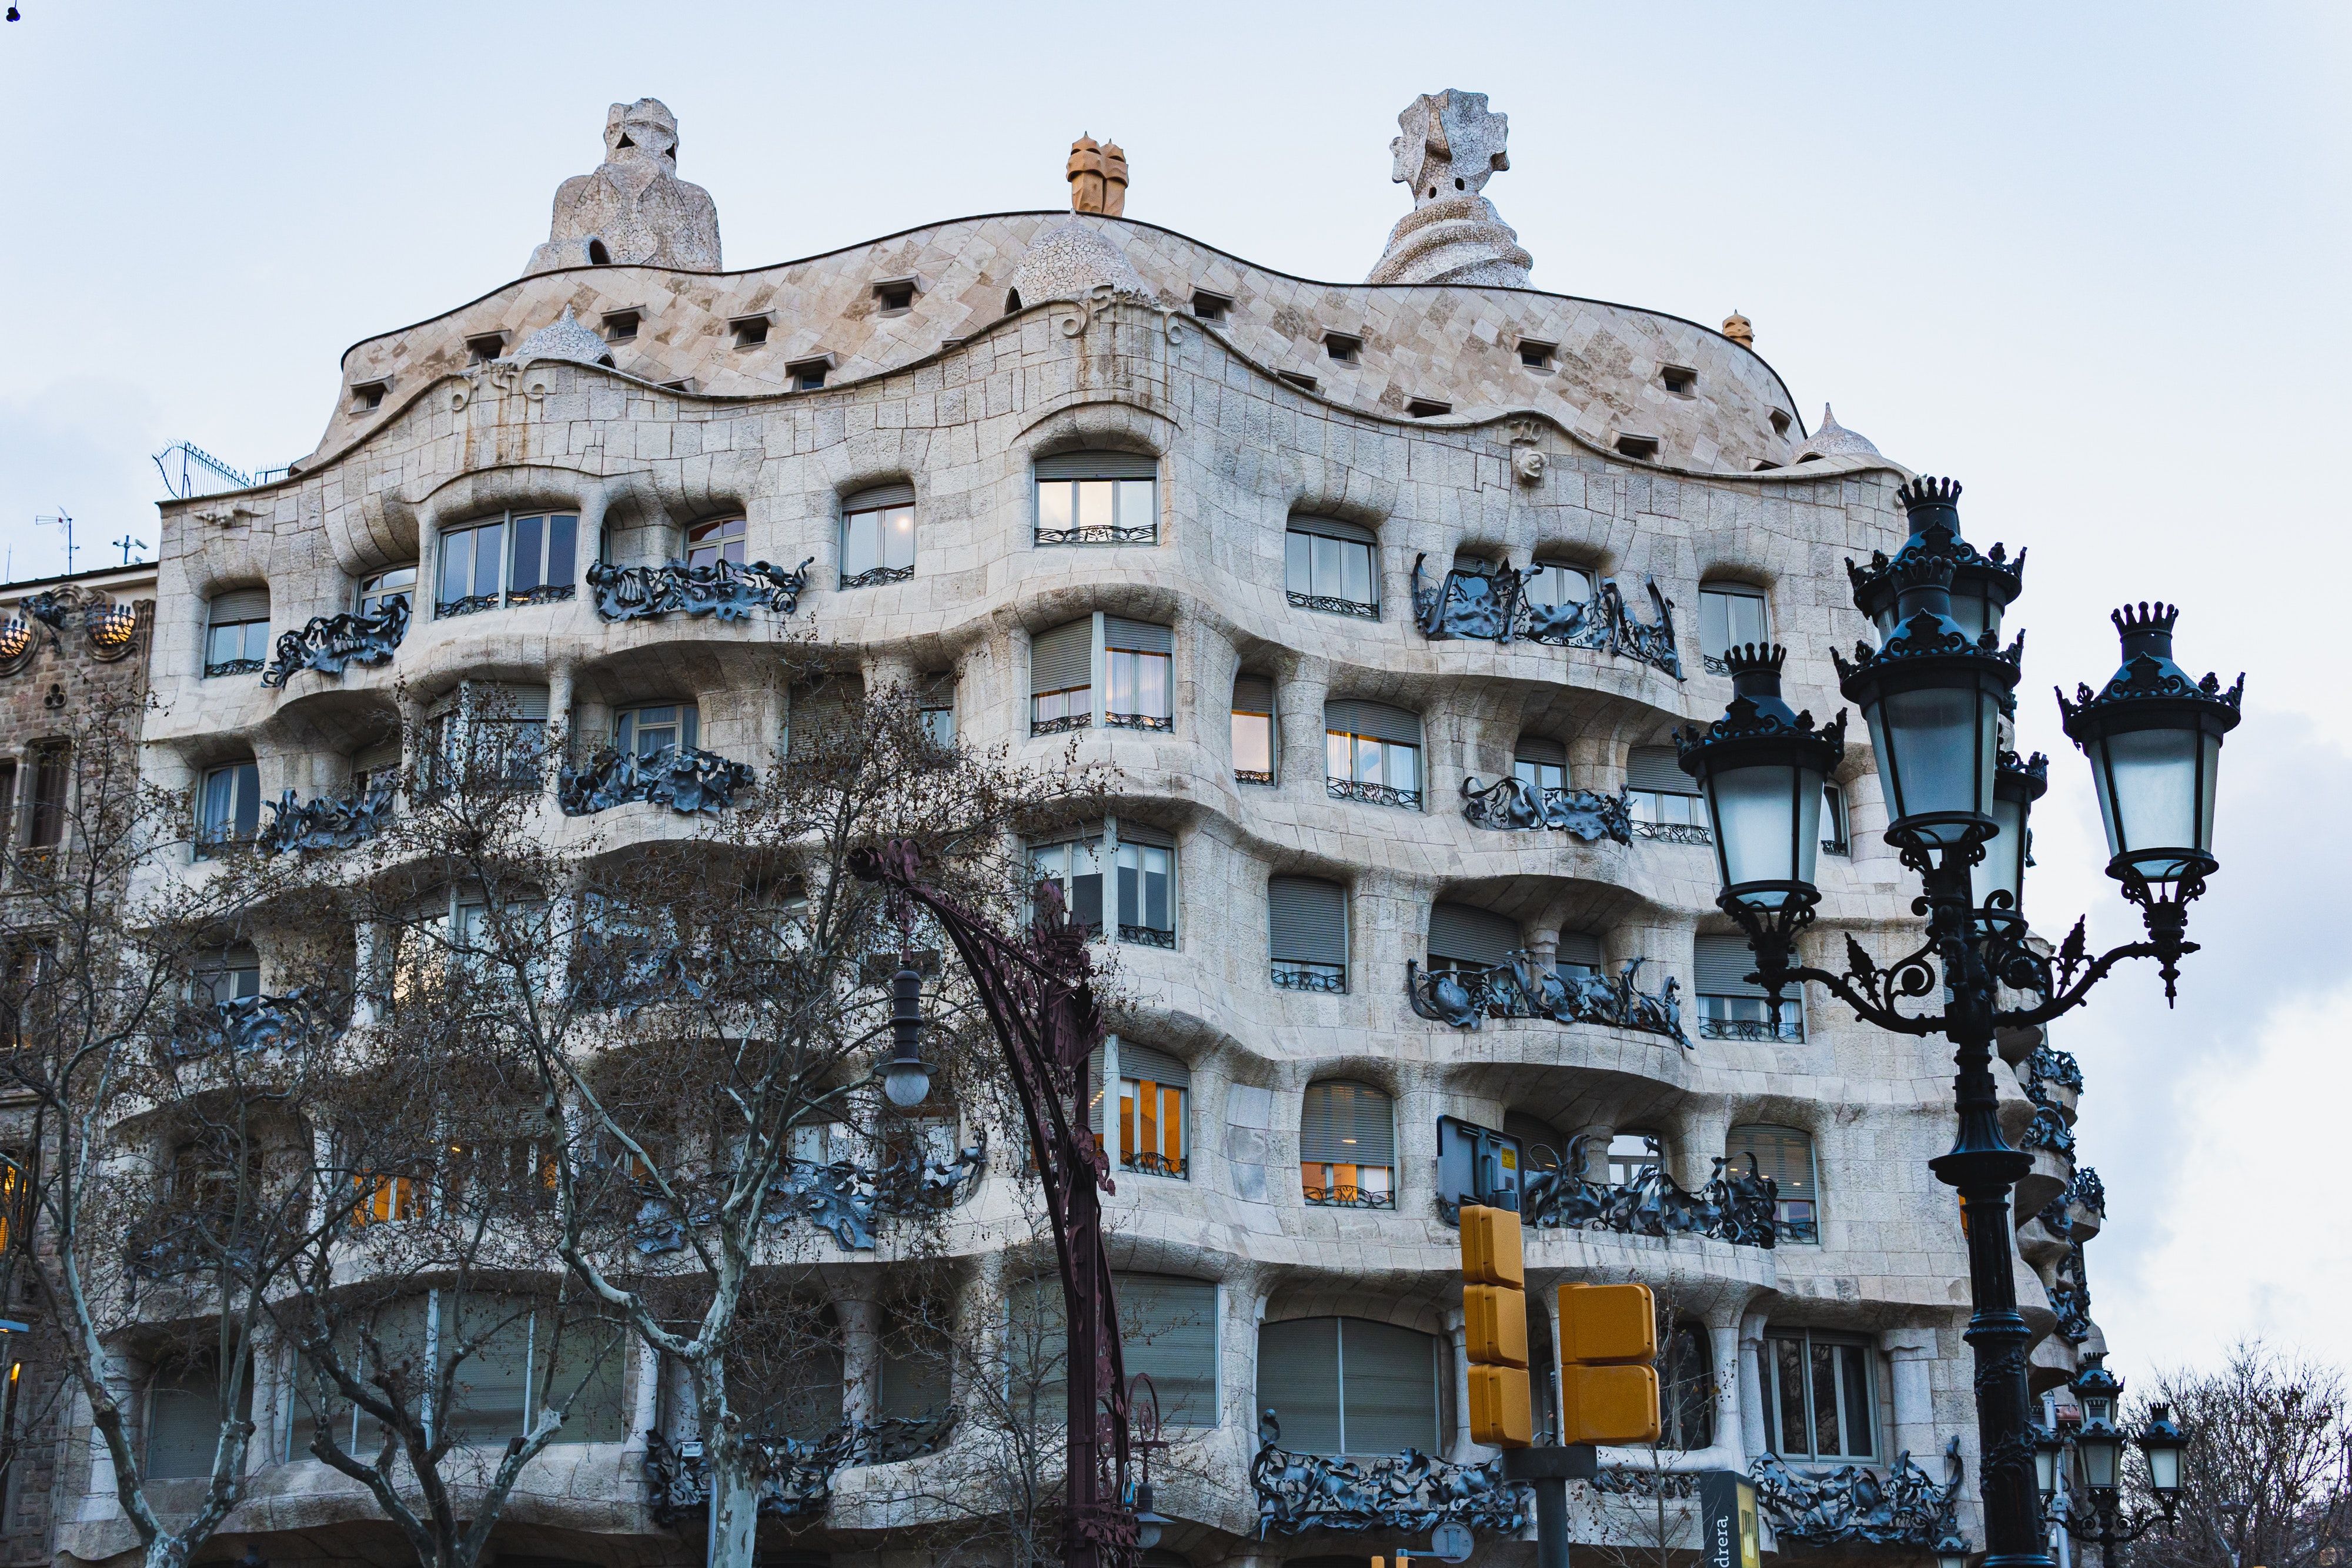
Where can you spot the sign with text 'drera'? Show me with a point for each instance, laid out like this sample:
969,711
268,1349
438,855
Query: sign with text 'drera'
1728,1531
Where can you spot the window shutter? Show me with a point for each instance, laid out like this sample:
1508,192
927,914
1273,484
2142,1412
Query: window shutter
1654,767
1095,1088
1145,833
1333,528
1061,658
1469,935
1099,466
1539,748
1167,1328
1719,964
936,690
516,702
1784,1153
367,759
1350,717
1347,1124
1137,636
1580,947
1144,1064
1299,1380
1253,694
1309,920
880,497
1388,1388
240,604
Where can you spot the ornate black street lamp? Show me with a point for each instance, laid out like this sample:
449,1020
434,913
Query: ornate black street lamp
1933,694
2098,1445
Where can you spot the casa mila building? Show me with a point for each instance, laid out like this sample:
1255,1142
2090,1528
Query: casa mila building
1385,599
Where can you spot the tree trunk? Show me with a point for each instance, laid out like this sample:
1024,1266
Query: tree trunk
734,1508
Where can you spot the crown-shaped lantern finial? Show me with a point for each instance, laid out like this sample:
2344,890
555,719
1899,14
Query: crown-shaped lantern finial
1926,490
1755,659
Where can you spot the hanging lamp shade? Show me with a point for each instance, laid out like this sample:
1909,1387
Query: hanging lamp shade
1761,769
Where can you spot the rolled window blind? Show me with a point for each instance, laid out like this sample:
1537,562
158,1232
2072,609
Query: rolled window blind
1349,715
1144,1064
1333,528
1132,833
1167,1328
1299,1380
1580,947
1541,748
936,690
1387,1388
880,497
240,604
1784,1153
1469,935
1654,767
1309,920
1061,658
384,754
1347,1124
497,700
1719,965
1253,694
1137,636
1099,466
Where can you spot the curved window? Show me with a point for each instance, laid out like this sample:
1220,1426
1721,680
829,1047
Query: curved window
720,539
1371,753
1332,566
1167,1330
1633,1155
1254,730
230,813
1819,1400
1062,678
1539,762
1097,498
236,631
878,536
1139,694
1665,799
1733,1006
1686,1389
1349,1385
379,589
934,708
1786,1154
1347,1147
1154,1089
649,730
1554,584
1309,920
526,558
1730,615
1465,937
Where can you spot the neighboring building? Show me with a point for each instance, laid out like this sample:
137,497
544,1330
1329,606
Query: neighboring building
71,648
1317,565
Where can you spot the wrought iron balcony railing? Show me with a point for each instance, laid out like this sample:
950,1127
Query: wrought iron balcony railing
234,667
1061,725
1100,534
1371,794
795,1474
2070,1297
1253,776
246,1023
1323,603
329,643
324,822
1492,606
1329,978
728,590
1150,1161
1346,1196
1672,833
877,577
1789,1030
842,1199
1153,721
1513,802
1146,936
686,779
1855,1505
1518,989
1731,1207
1408,1493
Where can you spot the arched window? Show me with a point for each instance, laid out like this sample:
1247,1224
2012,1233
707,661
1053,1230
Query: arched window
1540,762
225,975
378,588
1254,729
1347,1147
1371,753
229,814
1349,1385
1686,1389
878,536
516,558
237,634
1730,615
1307,917
650,729
1463,936
1553,584
1786,1154
717,540
1333,567
1097,498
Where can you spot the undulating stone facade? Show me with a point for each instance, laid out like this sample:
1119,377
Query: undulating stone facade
1248,430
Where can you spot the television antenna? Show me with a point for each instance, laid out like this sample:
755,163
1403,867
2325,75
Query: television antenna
64,519
128,544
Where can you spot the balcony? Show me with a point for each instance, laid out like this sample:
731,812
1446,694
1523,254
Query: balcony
1492,606
1464,998
1513,803
841,1198
1731,1207
1854,1505
795,1474
688,780
245,1023
328,643
1331,979
325,823
1323,603
726,590
1405,1494
1367,793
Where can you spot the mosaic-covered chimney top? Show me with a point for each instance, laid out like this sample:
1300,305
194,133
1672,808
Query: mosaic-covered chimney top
634,208
1451,147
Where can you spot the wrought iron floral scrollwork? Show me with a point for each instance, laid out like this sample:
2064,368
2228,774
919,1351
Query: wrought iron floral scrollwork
471,604
1293,978
1410,1492
1754,1031
329,642
1061,725
2070,1297
1139,721
1099,534
1855,1504
234,667
1738,1206
1512,802
877,577
2088,1190
2050,1065
1343,1196
1519,989
325,822
1625,1480
841,1197
725,589
1324,604
1253,776
1146,936
247,1023
1492,606
1674,832
686,780
2048,1129
1371,794
795,1475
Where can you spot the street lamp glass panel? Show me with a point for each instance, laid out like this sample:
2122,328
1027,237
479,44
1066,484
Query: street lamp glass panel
1935,745
1767,821
2047,1447
2164,1466
2004,868
2156,797
2101,1447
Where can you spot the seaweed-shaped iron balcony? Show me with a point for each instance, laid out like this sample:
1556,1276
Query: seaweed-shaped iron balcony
1492,606
328,643
1520,989
728,590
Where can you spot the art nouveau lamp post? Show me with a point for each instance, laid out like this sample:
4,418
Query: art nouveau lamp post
1933,694
2098,1450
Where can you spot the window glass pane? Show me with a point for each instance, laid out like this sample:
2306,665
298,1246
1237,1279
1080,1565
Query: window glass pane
487,541
1714,622
457,565
1789,1385
1747,619
1854,1372
247,822
861,552
1252,743
1356,562
1097,498
1299,1380
1368,759
1327,574
938,725
1297,576
562,544
256,640
1388,1388
1053,504
1136,509
898,545
1822,1365
1403,766
1339,755
524,577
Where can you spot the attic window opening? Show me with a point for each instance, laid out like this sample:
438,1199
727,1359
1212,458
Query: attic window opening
619,326
597,255
1678,379
1780,421
1643,446
808,375
484,347
1012,300
1342,348
895,297
750,332
368,396
1427,408
682,384
1209,308
1299,379
1537,356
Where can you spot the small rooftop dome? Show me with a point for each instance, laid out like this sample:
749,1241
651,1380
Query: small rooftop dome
1070,259
1834,440
565,339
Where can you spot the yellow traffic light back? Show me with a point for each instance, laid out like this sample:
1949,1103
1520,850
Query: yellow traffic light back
1609,1404
1608,1342
1495,1325
1603,1324
1494,1320
1502,1416
1491,1253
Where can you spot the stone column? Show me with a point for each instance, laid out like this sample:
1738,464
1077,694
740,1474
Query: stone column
560,685
1698,1137
1754,1418
1911,1392
861,1356
645,1412
370,949
1298,712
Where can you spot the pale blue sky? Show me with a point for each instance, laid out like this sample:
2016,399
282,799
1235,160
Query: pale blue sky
2091,259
